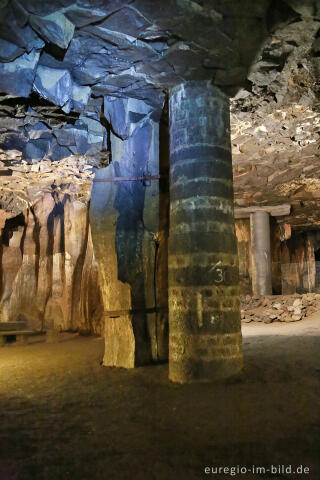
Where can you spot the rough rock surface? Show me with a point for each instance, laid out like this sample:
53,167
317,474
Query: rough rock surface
78,56
275,125
48,275
22,184
278,308
129,246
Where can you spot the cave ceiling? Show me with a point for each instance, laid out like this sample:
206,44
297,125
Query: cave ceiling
69,70
275,126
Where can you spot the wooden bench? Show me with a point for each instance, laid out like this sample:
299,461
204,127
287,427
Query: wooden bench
17,330
10,326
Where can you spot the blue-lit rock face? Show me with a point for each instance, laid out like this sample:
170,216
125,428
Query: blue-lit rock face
54,28
16,77
115,53
125,225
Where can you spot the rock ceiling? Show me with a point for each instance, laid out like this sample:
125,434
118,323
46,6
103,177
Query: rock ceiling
80,56
275,126
68,68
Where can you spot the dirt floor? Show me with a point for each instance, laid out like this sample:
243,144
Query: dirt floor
63,416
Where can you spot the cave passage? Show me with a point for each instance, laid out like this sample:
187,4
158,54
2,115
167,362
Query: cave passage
159,238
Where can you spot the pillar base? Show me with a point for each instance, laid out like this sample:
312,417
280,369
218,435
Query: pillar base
119,342
222,359
125,345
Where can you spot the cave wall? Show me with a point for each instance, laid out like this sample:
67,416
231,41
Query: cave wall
299,268
48,272
294,269
275,232
242,227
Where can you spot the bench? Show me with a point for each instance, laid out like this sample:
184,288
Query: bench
17,330
10,326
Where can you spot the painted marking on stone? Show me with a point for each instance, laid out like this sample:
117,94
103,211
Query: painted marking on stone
219,272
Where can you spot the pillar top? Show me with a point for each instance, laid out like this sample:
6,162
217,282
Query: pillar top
200,85
273,210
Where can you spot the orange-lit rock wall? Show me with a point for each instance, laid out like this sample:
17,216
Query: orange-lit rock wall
48,273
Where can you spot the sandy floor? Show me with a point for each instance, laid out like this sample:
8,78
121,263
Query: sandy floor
63,416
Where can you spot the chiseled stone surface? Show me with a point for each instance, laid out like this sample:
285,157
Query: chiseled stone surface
118,333
49,275
47,268
204,315
124,218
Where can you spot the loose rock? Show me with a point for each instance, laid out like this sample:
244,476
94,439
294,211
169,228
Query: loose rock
287,308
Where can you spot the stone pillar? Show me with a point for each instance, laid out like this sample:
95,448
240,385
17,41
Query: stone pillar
204,308
124,218
261,253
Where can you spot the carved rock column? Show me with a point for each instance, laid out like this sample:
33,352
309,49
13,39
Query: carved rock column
204,316
124,217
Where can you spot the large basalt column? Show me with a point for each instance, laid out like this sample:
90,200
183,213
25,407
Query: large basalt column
127,241
204,317
261,253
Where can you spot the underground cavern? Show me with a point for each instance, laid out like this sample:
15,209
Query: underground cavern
159,238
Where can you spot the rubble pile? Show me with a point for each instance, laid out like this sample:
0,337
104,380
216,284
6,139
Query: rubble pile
278,308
